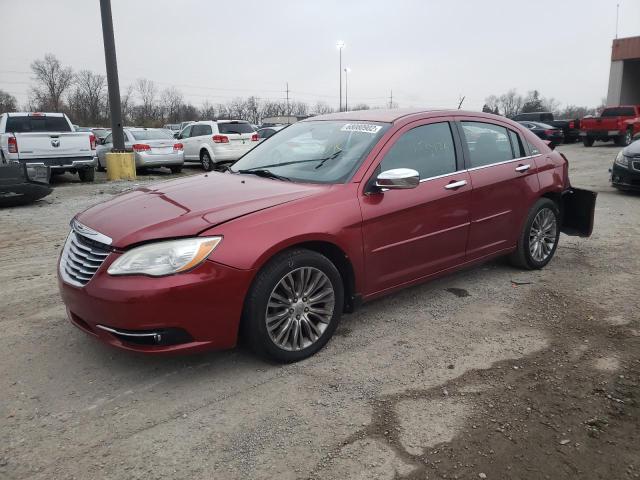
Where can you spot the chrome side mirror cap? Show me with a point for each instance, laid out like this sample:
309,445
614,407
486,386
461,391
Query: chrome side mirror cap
398,179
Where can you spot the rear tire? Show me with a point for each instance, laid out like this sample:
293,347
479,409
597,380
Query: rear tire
587,141
289,329
539,237
99,167
205,160
87,174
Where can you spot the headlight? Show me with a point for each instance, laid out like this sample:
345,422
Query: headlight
622,160
165,258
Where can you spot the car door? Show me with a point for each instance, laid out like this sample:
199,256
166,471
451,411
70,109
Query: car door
200,133
410,234
504,184
187,143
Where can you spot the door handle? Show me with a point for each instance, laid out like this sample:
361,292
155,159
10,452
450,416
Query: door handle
454,185
523,168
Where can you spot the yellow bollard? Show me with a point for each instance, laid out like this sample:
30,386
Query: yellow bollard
121,166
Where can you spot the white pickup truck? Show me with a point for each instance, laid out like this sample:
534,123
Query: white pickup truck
47,139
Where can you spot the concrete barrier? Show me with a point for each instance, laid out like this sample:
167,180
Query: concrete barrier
121,166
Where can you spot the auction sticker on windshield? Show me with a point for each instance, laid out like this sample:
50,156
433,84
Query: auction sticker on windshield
361,127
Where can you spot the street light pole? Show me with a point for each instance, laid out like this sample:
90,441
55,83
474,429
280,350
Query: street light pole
112,76
347,70
340,46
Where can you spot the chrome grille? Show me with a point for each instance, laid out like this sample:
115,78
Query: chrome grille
81,259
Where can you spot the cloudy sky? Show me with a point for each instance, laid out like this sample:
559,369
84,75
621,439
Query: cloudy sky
428,52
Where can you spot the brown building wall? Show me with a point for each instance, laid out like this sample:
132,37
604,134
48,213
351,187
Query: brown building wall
625,49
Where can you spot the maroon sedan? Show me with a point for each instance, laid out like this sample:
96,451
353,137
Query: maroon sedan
327,213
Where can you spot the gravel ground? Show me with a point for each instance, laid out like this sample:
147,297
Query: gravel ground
489,373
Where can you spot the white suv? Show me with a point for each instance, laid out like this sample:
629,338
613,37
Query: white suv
216,142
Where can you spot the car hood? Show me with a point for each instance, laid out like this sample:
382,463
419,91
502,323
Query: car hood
188,206
633,150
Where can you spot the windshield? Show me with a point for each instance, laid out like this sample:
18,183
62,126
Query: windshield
152,135
314,151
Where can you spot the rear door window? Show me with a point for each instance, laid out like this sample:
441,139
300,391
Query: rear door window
200,130
487,143
234,127
428,149
29,124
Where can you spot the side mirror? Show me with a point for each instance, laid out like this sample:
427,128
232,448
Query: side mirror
398,179
177,136
101,141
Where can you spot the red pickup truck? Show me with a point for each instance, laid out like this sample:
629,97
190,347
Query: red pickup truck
620,124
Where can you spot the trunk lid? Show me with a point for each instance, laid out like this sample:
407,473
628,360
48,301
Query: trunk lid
53,145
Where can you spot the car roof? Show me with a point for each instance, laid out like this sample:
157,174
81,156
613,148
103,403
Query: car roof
396,114
23,114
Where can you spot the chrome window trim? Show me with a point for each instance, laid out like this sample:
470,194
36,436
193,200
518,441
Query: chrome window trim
441,176
519,159
466,170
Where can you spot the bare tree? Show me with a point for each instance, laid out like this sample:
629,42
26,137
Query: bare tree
361,106
171,103
207,111
88,100
8,102
146,112
510,103
52,81
322,108
126,105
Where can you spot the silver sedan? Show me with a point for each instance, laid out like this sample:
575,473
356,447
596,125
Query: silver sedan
153,147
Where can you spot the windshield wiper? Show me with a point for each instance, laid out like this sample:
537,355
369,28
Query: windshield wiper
330,157
263,172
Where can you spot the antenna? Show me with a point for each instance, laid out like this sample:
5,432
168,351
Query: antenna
461,100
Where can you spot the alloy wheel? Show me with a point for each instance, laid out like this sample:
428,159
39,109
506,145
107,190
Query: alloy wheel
206,161
300,308
543,235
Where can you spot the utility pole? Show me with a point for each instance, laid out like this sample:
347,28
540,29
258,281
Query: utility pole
340,46
112,76
391,100
288,108
617,17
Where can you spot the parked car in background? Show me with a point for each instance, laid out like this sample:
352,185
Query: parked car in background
545,132
47,139
174,127
570,127
619,124
267,132
153,147
279,246
625,172
83,129
101,133
214,143
184,124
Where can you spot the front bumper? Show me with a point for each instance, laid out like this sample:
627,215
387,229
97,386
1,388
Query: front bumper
194,311
626,178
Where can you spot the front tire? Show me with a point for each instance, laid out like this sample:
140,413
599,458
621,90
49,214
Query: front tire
587,141
625,140
293,306
539,238
205,160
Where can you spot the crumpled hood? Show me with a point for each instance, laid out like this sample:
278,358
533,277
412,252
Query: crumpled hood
188,206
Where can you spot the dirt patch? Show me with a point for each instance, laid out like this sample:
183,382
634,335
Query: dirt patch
568,411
